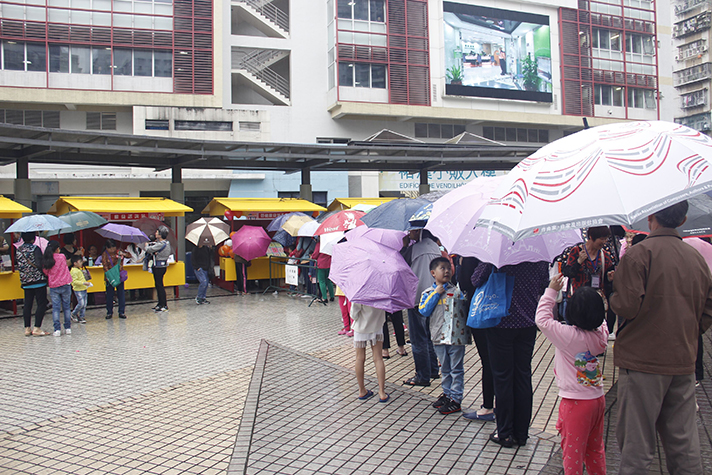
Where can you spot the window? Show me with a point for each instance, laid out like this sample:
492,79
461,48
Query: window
162,64
336,140
58,59
639,44
606,39
245,126
101,61
373,10
156,124
203,125
101,120
438,131
36,57
608,95
122,62
502,134
13,56
641,98
362,75
47,119
80,60
143,62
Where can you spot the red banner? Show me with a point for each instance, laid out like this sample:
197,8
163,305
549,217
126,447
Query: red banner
132,216
255,215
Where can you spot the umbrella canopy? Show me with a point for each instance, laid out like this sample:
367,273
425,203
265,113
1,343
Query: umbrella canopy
78,220
613,174
340,221
122,233
149,226
37,222
420,217
294,223
308,229
386,237
209,231
364,207
276,223
374,274
328,240
249,242
395,214
284,238
453,220
699,219
275,249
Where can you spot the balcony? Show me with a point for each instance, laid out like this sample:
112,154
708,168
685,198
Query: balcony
701,122
691,75
694,99
691,50
688,5
692,25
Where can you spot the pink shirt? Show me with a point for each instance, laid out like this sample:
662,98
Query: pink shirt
577,370
58,275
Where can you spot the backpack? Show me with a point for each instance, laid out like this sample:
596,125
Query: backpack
30,271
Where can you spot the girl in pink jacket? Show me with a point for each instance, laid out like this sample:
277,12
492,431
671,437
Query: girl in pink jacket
578,375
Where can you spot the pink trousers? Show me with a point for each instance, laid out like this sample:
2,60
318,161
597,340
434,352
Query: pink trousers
581,427
344,305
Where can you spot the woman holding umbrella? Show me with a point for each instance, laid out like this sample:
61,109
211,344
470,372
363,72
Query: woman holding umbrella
161,251
109,258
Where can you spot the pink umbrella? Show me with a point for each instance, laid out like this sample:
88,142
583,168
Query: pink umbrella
250,242
703,247
374,274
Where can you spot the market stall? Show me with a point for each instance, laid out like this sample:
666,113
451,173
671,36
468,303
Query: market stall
9,278
348,203
127,210
255,212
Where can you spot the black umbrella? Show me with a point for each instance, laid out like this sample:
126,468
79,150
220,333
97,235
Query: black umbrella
699,219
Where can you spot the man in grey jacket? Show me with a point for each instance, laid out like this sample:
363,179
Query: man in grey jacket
662,292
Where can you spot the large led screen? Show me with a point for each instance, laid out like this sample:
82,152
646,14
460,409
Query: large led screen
496,53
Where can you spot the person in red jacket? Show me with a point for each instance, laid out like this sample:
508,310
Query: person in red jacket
323,264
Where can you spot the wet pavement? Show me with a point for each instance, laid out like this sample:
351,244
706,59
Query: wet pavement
253,384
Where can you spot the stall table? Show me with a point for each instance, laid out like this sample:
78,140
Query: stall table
139,278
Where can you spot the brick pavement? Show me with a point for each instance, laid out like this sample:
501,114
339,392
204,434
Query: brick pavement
165,394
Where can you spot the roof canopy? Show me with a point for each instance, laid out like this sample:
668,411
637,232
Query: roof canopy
42,145
348,203
218,206
120,204
11,209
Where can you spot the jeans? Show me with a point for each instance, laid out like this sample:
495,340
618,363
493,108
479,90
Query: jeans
110,298
61,300
426,362
453,370
158,273
81,307
510,351
39,294
203,278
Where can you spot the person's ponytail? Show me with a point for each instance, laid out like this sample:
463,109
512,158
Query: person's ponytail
48,256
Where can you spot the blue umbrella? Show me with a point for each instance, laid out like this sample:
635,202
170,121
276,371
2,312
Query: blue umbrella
284,238
395,214
276,223
37,222
420,217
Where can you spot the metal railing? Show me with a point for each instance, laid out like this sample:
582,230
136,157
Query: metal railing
304,264
254,63
270,12
688,5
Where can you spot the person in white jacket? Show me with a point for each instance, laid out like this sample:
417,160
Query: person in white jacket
578,375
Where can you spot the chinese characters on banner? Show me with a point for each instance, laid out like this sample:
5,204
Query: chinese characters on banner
255,215
407,183
132,216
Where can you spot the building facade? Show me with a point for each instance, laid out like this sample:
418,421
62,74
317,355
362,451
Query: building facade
331,71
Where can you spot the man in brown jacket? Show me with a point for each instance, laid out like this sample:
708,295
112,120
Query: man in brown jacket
662,291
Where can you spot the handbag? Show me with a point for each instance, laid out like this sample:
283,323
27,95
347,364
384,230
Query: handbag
113,276
491,301
87,274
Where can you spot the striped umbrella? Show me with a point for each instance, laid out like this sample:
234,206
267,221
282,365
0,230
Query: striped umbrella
209,231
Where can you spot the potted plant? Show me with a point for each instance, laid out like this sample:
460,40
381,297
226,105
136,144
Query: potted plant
455,75
529,74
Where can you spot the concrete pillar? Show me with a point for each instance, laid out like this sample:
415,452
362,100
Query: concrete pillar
178,195
305,189
23,184
424,186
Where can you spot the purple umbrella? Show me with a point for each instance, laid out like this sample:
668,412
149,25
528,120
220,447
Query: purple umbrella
122,233
372,273
386,237
250,242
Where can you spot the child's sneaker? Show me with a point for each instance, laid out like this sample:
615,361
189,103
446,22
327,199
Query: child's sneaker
82,320
450,407
68,331
350,333
57,333
442,400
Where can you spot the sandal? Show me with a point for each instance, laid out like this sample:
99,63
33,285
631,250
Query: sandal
28,331
40,332
405,353
416,382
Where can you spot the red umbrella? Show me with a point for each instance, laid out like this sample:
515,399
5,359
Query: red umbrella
341,221
250,242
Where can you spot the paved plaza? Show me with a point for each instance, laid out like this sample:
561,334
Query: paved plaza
253,384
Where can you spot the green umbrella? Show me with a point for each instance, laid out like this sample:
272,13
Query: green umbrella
79,220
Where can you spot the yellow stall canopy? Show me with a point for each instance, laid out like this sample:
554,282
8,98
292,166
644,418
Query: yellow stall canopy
348,203
119,205
260,208
11,209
